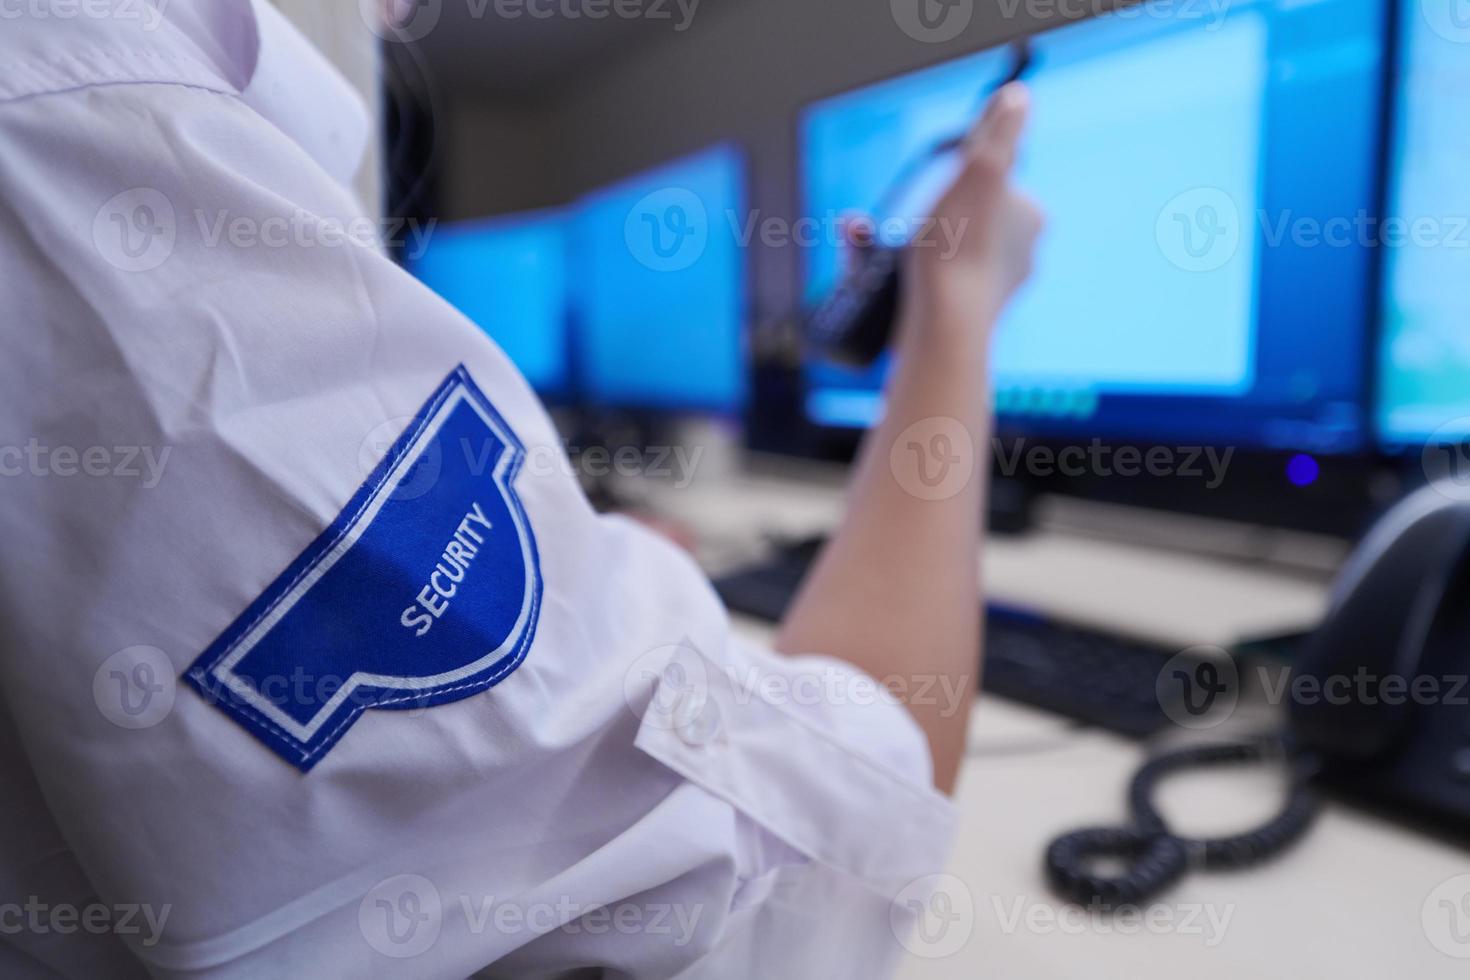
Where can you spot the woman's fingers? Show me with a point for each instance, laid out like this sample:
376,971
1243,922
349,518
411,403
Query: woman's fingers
997,135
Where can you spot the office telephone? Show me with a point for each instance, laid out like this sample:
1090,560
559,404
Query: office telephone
1381,693
1377,707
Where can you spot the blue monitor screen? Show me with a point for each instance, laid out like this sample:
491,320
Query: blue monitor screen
508,275
660,287
1424,379
1184,158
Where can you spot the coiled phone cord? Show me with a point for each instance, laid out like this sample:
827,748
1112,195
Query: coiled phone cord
1156,857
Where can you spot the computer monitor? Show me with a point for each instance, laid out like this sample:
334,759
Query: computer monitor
1424,364
509,275
659,288
1192,164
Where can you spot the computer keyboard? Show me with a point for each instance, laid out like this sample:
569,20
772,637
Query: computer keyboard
1096,678
765,591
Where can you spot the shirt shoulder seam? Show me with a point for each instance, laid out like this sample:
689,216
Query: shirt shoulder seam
88,66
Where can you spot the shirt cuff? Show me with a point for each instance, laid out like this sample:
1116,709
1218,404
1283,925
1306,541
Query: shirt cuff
743,730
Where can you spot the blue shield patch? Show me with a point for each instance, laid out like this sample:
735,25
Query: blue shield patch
426,589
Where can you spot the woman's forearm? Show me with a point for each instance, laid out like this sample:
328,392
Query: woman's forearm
896,593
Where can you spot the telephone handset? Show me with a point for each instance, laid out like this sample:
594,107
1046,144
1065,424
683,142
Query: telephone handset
855,324
1382,693
1379,707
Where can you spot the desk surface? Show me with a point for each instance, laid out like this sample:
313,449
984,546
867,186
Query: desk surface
1358,898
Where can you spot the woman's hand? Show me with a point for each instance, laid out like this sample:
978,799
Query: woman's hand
897,591
981,250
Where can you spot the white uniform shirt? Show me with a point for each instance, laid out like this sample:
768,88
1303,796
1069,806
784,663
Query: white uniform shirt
273,707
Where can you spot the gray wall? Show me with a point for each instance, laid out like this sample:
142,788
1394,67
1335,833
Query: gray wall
743,71
338,29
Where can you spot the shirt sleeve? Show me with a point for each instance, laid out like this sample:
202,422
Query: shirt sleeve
230,428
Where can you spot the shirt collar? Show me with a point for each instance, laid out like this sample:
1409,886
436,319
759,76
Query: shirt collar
282,76
297,88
